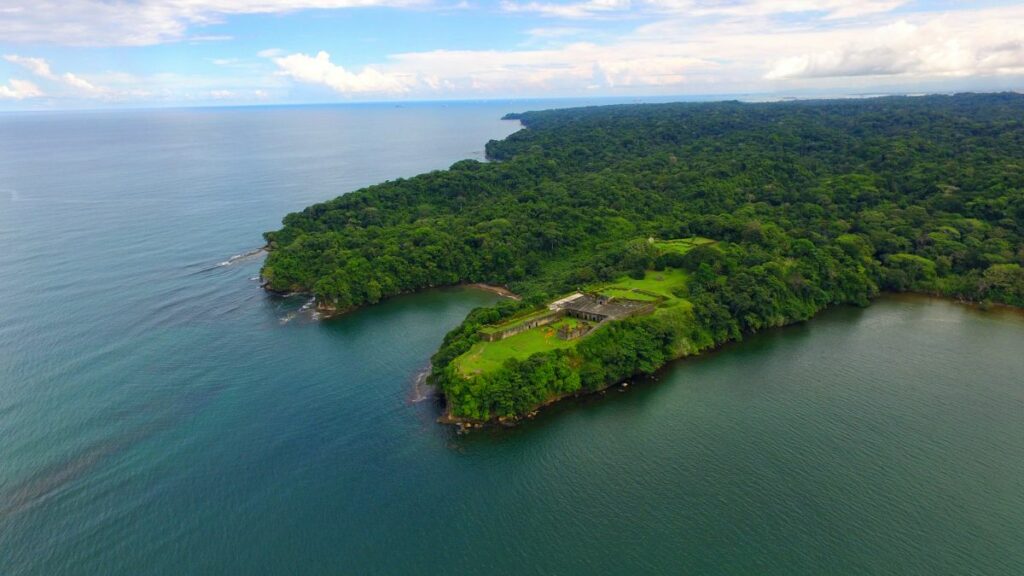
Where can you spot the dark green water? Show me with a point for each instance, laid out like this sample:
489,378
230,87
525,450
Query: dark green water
159,414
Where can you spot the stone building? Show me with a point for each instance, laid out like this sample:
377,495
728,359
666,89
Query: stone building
593,308
597,308
568,332
491,334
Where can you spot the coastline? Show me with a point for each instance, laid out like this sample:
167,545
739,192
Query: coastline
328,311
983,307
465,425
499,290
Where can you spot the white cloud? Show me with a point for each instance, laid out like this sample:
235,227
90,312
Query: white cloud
587,9
494,72
320,70
119,88
78,86
679,46
853,9
961,45
37,66
142,22
560,69
828,9
681,55
82,85
113,87
185,88
239,95
19,90
554,32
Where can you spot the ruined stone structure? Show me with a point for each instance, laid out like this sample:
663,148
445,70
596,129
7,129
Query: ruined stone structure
597,308
512,330
590,307
572,332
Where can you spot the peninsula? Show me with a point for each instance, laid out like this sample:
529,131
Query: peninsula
637,234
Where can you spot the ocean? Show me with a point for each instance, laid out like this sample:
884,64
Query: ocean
161,414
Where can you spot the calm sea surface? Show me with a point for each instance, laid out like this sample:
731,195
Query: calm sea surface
160,414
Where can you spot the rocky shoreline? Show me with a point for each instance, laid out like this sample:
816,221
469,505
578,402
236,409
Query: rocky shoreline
327,310
499,290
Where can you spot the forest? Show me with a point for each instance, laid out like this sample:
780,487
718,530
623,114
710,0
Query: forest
811,203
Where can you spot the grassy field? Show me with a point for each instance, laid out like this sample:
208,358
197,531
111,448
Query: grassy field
629,294
660,283
486,356
681,245
655,286
517,319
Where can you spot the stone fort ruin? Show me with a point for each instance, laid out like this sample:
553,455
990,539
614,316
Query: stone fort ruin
593,308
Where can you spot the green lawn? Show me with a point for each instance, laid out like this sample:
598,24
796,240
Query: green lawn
486,356
660,283
616,292
681,245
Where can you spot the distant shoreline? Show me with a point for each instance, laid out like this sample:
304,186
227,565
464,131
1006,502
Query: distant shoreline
499,290
972,304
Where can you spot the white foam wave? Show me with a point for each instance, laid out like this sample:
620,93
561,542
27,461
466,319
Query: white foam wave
307,308
420,389
239,257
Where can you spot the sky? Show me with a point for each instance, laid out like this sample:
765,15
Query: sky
72,54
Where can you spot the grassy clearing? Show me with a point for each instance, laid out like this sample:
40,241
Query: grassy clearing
486,356
675,304
628,294
655,286
661,283
681,245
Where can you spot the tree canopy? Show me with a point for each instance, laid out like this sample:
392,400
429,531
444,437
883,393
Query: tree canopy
812,203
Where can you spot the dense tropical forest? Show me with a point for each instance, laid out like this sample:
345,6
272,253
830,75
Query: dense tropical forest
811,204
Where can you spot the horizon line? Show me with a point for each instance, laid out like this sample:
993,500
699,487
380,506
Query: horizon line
745,97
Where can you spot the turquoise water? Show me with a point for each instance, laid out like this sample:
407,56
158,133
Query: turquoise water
160,414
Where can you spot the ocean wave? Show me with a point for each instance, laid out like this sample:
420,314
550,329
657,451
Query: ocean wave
309,308
230,261
240,257
420,389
